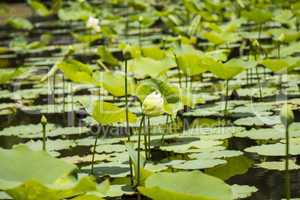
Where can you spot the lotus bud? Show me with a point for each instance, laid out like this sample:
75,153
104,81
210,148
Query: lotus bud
93,23
153,104
44,123
44,120
286,115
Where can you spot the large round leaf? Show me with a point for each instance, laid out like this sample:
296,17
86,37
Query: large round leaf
76,71
185,186
107,113
22,164
228,70
144,66
114,83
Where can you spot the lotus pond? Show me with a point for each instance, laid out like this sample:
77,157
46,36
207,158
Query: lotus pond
163,100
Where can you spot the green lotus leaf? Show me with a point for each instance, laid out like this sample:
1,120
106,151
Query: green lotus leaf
192,63
39,7
106,56
114,82
284,16
144,66
36,164
76,11
228,70
258,16
167,90
214,37
107,113
8,75
62,189
235,166
19,23
276,65
86,38
77,71
288,50
290,35
153,52
204,187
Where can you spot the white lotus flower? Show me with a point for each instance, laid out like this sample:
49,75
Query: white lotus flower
93,23
153,104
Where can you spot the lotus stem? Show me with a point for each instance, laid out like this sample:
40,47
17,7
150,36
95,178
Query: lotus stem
126,100
145,140
166,131
287,155
127,115
64,100
259,84
226,99
93,155
139,151
149,140
140,33
258,78
280,76
54,86
186,82
259,30
44,138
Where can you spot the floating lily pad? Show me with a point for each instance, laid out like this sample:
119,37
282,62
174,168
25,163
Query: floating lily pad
277,149
267,134
199,164
68,131
88,158
216,154
107,148
155,167
89,141
235,166
242,191
258,121
109,169
197,146
26,131
214,133
51,145
278,165
119,190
